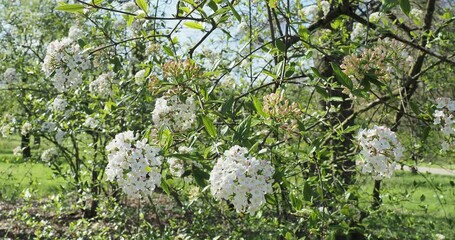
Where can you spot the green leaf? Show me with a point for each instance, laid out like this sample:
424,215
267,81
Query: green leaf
208,123
227,106
213,6
387,5
273,3
422,198
97,2
243,130
166,138
405,6
258,106
236,14
194,25
280,45
72,8
321,91
143,5
168,50
200,176
342,77
316,72
307,192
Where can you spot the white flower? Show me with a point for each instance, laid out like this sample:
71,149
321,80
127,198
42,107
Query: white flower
325,5
444,117
66,61
10,76
91,122
59,104
139,77
49,154
242,28
358,31
59,136
102,85
174,114
75,33
6,130
380,150
48,127
176,166
440,236
309,12
133,164
17,151
130,6
27,194
241,179
25,129
375,17
416,13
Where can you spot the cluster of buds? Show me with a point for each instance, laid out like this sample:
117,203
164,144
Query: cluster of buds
386,58
179,69
371,61
282,111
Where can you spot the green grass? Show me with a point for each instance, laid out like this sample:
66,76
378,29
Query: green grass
413,205
17,175
15,178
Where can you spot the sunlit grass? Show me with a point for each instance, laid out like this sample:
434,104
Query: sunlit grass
417,203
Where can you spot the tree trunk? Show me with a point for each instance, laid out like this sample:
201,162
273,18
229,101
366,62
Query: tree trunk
341,146
25,145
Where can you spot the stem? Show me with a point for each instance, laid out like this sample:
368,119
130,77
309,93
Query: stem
156,213
376,198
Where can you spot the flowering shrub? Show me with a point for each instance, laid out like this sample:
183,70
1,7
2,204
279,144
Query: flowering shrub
241,179
133,164
380,151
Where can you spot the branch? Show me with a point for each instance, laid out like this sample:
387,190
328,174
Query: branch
400,39
124,41
177,18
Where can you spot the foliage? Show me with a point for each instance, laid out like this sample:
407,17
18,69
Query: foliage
182,101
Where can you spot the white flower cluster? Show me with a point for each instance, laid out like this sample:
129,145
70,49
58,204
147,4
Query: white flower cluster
75,33
59,136
49,154
10,76
26,128
139,77
91,123
444,116
176,166
416,13
380,151
243,180
6,130
174,114
66,61
133,164
48,127
311,12
102,85
59,104
358,32
376,17
17,151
